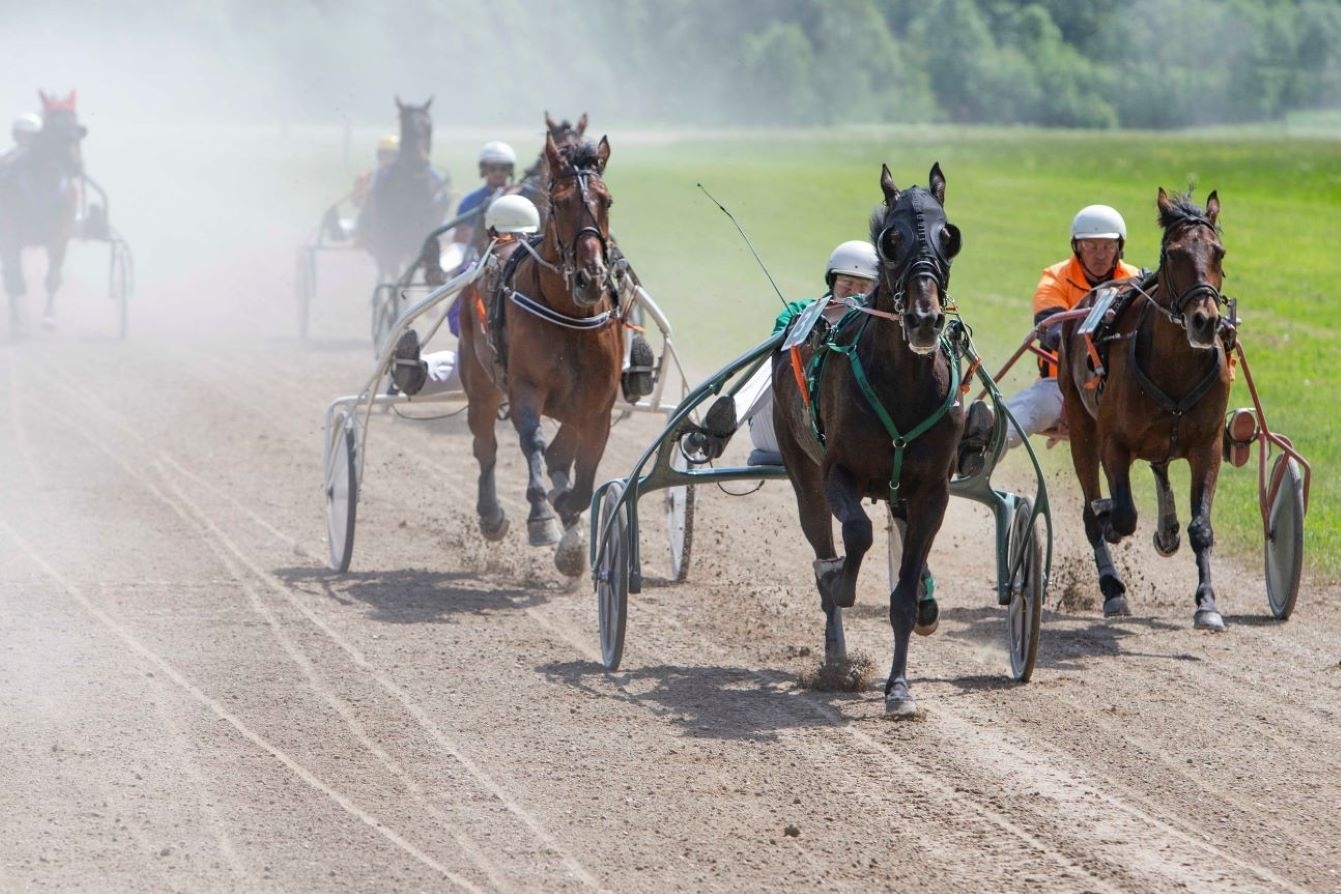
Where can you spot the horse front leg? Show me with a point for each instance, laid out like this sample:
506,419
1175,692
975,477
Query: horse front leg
1205,464
843,494
571,556
55,261
924,517
540,527
481,414
1096,513
1166,534
817,525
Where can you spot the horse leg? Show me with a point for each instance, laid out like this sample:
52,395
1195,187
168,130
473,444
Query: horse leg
817,525
1097,511
1117,466
11,259
928,611
559,461
844,498
1205,464
540,527
55,261
924,520
589,439
1166,535
481,413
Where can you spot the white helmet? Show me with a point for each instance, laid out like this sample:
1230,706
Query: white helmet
512,214
29,123
855,258
498,153
1098,222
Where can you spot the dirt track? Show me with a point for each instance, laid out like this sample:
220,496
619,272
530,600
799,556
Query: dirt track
191,701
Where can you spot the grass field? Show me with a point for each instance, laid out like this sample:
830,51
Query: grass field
1012,192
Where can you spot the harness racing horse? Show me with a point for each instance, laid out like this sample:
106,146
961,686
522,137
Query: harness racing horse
407,198
551,344
1163,398
38,202
881,420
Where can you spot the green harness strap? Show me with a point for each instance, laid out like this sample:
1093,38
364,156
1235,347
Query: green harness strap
900,441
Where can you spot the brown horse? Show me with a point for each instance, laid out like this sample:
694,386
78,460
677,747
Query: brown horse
885,421
1163,399
561,347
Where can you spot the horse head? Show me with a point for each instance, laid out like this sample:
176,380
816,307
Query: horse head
416,130
61,133
578,228
1190,272
915,243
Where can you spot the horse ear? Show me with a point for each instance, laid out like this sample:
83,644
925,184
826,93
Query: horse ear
427,104
47,102
1162,201
602,154
70,102
550,124
887,186
1212,207
552,154
582,124
400,106
936,180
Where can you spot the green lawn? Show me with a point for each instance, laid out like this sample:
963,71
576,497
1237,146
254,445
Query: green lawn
1012,192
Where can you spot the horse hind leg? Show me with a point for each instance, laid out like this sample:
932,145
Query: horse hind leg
817,525
559,462
11,259
481,413
1166,535
844,499
1097,513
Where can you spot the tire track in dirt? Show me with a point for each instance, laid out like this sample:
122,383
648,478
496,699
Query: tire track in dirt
192,512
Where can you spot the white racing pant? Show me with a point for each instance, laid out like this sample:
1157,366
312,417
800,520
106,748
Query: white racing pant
1037,408
443,375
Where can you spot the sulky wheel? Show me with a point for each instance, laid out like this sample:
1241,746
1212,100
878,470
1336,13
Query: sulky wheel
612,574
1024,557
680,502
1284,537
342,490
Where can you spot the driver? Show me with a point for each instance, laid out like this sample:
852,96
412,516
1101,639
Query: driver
850,272
498,163
24,130
1098,236
509,219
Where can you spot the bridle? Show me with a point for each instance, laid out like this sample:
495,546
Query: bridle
567,267
925,261
1179,301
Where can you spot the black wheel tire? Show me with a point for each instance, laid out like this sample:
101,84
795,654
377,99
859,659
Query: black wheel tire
342,486
612,575
1285,537
1025,613
680,505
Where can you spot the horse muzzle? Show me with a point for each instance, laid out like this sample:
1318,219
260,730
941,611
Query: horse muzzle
1202,326
922,330
589,285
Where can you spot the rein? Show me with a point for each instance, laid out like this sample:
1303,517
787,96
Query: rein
1174,407
568,253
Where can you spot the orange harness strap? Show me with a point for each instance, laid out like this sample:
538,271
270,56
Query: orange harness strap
798,370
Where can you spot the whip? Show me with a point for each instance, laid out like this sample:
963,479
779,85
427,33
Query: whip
741,230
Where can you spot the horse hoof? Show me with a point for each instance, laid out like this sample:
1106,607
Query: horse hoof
1208,619
928,617
1169,547
542,531
900,707
496,530
1116,607
571,556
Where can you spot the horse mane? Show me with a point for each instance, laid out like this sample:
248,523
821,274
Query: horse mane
878,217
582,156
1183,212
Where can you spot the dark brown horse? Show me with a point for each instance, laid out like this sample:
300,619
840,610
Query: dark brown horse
407,198
1163,399
561,346
885,421
39,200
